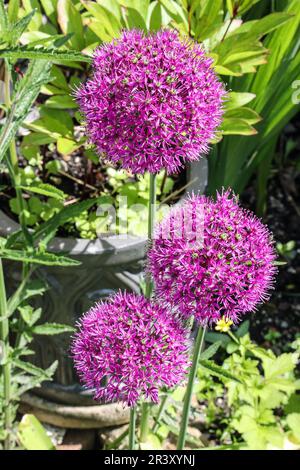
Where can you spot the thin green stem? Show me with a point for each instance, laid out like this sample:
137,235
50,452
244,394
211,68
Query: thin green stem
233,337
148,291
4,336
161,410
189,390
132,428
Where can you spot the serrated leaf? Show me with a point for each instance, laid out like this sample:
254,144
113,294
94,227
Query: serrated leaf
52,329
27,52
47,259
45,190
217,370
27,91
24,292
31,369
20,27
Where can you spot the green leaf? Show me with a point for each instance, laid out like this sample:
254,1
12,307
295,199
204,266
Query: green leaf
219,371
27,52
69,20
20,27
293,421
211,350
243,329
236,100
45,190
24,292
28,88
32,435
237,127
31,369
29,315
213,337
47,259
3,18
52,329
70,212
246,114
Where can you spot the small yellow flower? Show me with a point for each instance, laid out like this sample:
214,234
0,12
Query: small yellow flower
223,325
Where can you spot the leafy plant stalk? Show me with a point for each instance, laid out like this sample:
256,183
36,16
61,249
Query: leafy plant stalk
6,367
189,391
151,221
15,165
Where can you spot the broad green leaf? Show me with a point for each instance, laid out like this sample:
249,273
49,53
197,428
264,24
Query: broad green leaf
213,337
3,18
32,435
12,10
264,25
27,52
217,370
69,20
236,100
243,329
155,20
237,127
52,329
293,421
279,366
47,259
134,19
61,102
211,350
67,146
246,114
50,9
45,189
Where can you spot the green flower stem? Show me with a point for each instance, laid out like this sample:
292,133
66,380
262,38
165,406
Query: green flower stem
6,369
189,391
144,430
132,428
151,222
148,291
233,337
161,410
14,165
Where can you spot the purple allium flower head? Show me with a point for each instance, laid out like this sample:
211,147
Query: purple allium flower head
127,347
212,259
152,102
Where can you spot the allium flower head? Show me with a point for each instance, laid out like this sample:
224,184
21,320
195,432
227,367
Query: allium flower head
152,102
127,347
223,273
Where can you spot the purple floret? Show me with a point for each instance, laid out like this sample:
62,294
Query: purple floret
153,101
227,271
128,347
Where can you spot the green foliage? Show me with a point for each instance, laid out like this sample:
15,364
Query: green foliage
266,385
32,435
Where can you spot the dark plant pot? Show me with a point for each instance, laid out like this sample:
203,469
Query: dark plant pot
107,265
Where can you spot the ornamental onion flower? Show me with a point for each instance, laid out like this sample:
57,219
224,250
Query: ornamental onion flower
225,272
128,347
153,101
